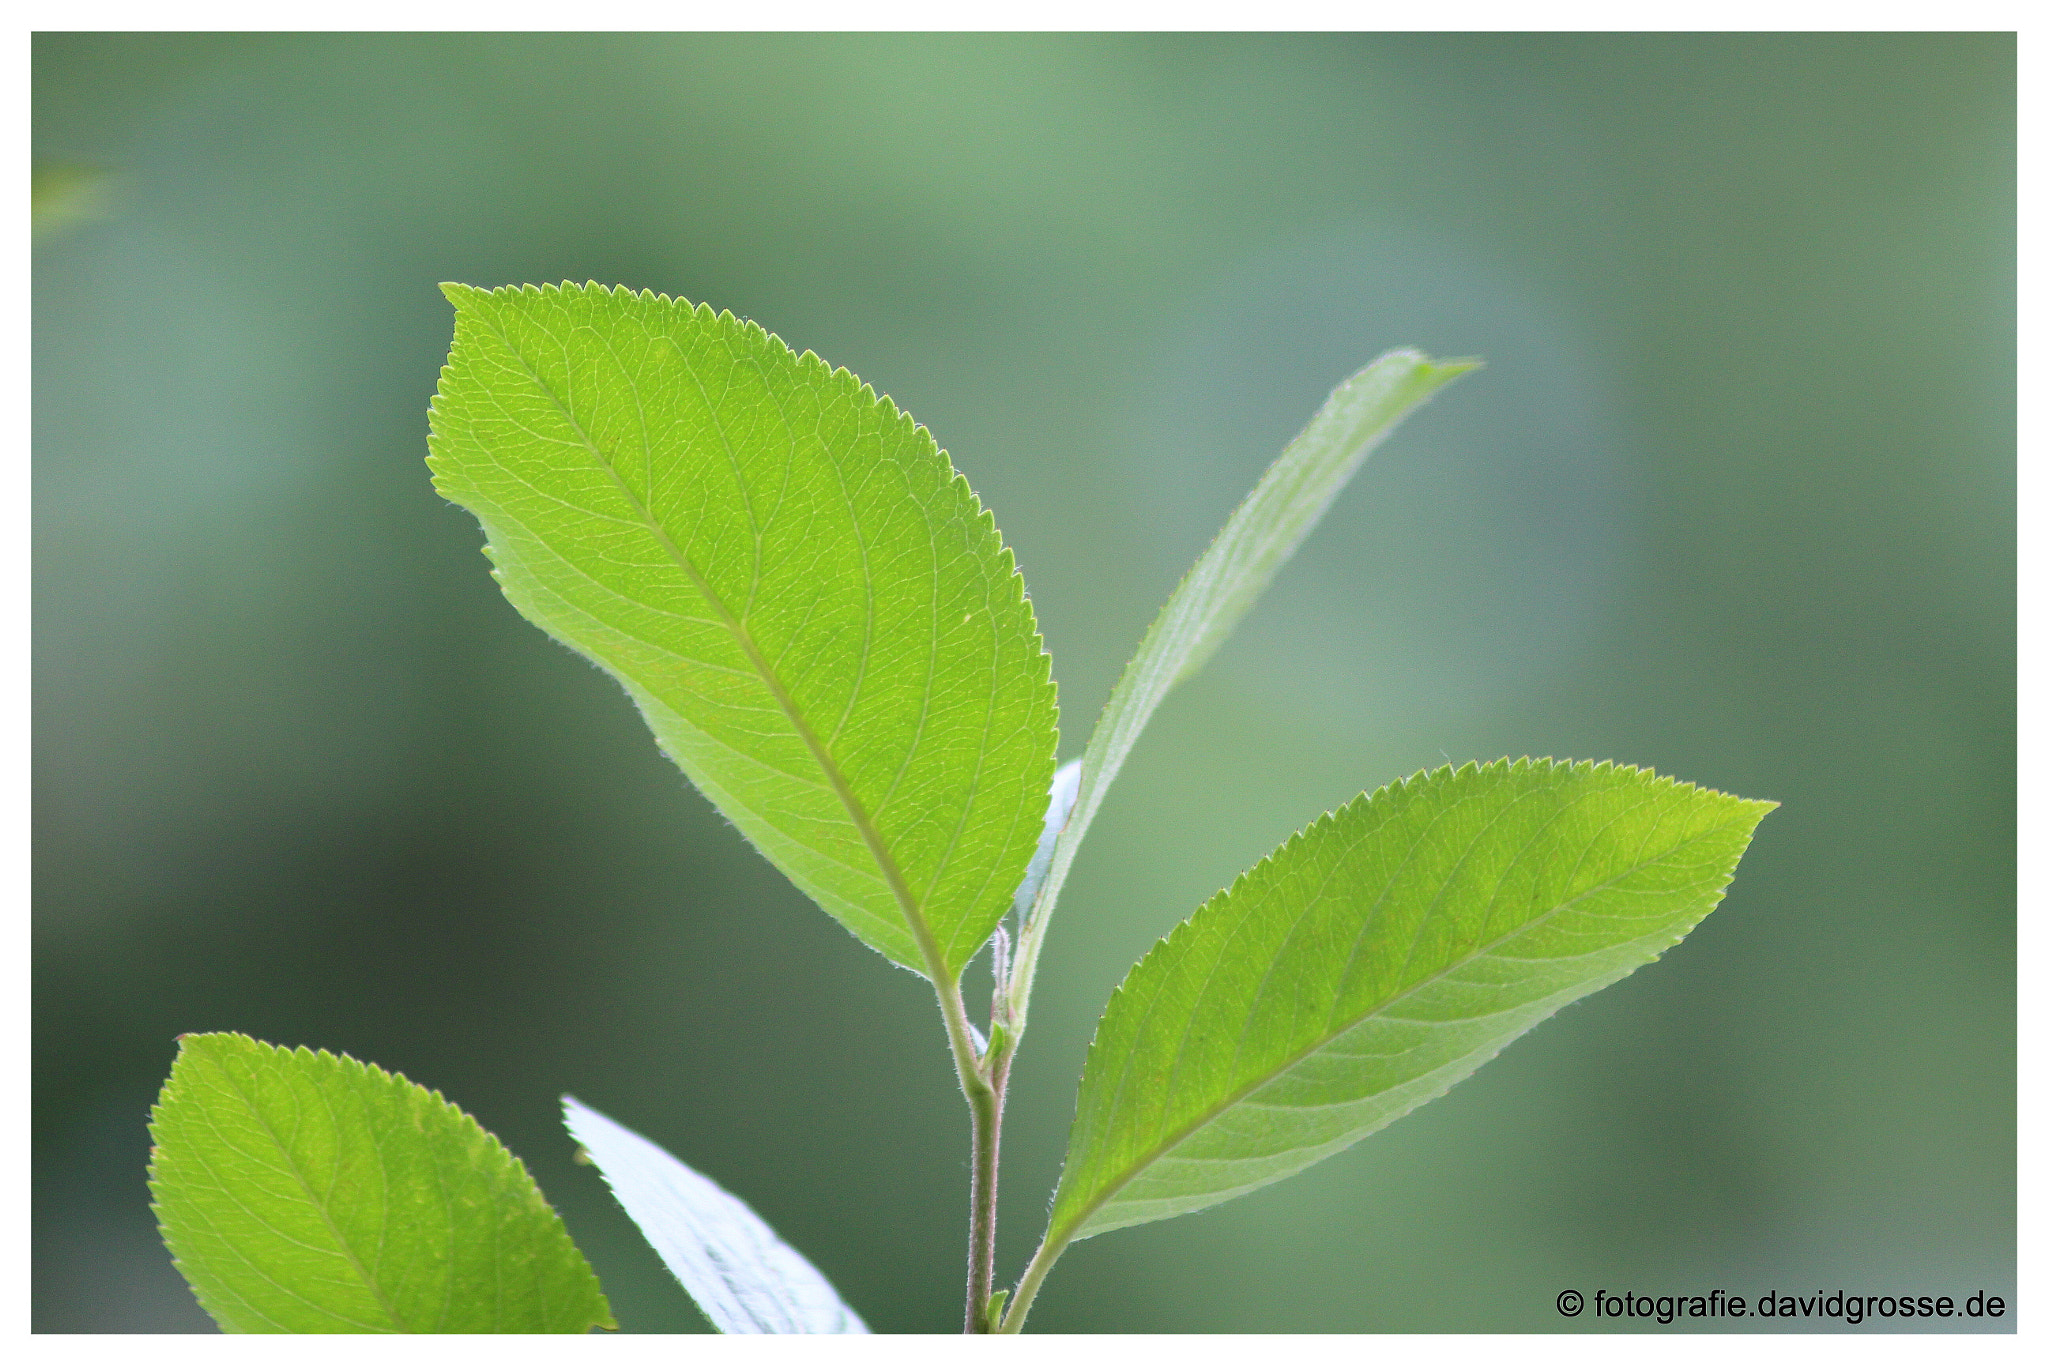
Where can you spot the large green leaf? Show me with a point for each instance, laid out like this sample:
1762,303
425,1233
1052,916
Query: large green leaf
816,617
1374,960
1238,566
304,1192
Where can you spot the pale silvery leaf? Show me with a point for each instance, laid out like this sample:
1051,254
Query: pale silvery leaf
744,1277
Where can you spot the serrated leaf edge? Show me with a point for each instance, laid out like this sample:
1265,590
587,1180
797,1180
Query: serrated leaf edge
938,958
393,1079
1075,1227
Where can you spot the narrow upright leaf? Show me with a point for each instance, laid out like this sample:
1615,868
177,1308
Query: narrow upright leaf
1237,567
744,1277
1374,960
304,1192
1059,808
814,613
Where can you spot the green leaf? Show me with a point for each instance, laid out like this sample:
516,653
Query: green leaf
816,617
304,1192
1374,960
744,1277
1238,566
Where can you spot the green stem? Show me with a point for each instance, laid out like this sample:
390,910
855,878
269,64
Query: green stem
966,1060
1034,1275
982,1081
987,1112
1009,1009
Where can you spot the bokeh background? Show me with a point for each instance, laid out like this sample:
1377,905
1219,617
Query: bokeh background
1733,498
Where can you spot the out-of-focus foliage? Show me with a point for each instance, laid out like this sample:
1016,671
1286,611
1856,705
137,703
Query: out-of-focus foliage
62,197
1734,500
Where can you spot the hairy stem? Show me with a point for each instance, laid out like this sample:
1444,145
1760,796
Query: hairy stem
967,1059
1034,1276
982,1078
986,1110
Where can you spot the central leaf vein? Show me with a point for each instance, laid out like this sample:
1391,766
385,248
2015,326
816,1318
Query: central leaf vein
1209,1113
877,847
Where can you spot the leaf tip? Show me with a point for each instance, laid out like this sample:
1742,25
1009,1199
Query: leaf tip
463,296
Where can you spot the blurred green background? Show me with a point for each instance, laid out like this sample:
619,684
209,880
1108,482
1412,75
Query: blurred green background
1733,498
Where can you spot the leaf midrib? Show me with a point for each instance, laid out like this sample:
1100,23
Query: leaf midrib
341,1242
899,887
1209,1115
